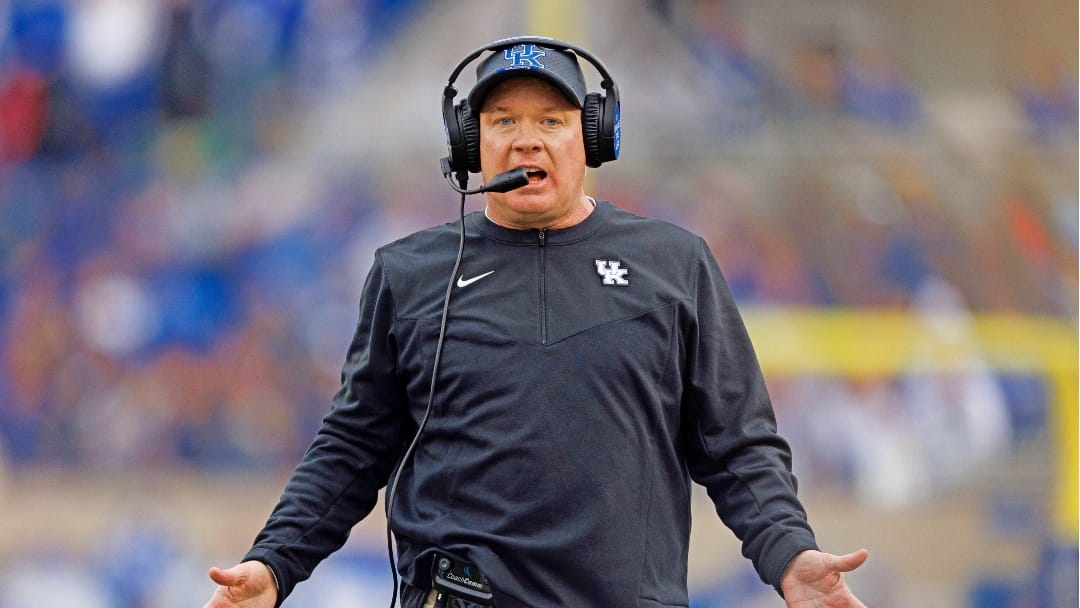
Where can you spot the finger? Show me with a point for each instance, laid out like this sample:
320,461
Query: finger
851,561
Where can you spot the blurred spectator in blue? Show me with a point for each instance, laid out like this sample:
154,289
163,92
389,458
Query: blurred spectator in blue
38,29
184,87
113,61
1047,94
733,75
333,37
873,90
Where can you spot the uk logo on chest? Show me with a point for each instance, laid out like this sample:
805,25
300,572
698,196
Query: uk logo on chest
612,273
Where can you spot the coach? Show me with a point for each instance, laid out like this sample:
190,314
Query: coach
591,364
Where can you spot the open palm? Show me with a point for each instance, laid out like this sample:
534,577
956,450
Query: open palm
245,585
816,580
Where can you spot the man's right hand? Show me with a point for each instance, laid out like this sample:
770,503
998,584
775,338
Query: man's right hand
245,585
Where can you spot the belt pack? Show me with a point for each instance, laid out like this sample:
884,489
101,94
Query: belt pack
454,579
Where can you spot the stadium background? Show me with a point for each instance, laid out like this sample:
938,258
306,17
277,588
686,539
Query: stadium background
190,194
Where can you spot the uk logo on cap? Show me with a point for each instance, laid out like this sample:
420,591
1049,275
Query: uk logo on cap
524,56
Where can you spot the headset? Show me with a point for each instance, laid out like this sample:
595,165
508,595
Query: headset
600,116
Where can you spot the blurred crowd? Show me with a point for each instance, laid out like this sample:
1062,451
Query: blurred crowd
177,287
160,303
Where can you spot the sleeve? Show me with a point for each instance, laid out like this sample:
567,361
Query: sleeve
732,445
338,480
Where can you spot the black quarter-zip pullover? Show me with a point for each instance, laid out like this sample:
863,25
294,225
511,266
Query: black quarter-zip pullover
588,375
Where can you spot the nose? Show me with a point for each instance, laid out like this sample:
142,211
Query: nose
527,139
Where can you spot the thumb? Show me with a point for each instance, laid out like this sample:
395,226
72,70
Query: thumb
849,562
225,578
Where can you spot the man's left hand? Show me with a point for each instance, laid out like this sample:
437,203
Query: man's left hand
816,580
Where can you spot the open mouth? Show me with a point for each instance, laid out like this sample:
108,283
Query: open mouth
535,175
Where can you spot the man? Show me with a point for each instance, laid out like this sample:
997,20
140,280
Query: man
594,363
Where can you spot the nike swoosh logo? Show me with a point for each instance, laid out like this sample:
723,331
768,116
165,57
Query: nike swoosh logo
463,282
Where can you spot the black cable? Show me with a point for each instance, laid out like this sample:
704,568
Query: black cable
431,398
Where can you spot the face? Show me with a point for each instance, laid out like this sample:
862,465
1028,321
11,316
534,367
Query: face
526,122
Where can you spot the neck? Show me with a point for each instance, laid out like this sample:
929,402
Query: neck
574,216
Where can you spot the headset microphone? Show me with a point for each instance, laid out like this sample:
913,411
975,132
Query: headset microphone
503,182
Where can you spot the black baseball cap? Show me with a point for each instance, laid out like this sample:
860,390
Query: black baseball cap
559,67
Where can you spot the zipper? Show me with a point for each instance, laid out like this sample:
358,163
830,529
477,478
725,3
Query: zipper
540,239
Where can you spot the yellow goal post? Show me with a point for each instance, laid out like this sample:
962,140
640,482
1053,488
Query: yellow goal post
867,343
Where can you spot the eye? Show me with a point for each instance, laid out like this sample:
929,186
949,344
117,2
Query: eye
551,122
504,121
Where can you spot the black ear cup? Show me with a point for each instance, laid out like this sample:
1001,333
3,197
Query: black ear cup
600,128
462,136
590,129
470,133
455,140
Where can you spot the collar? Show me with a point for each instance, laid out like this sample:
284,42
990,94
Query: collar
577,232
